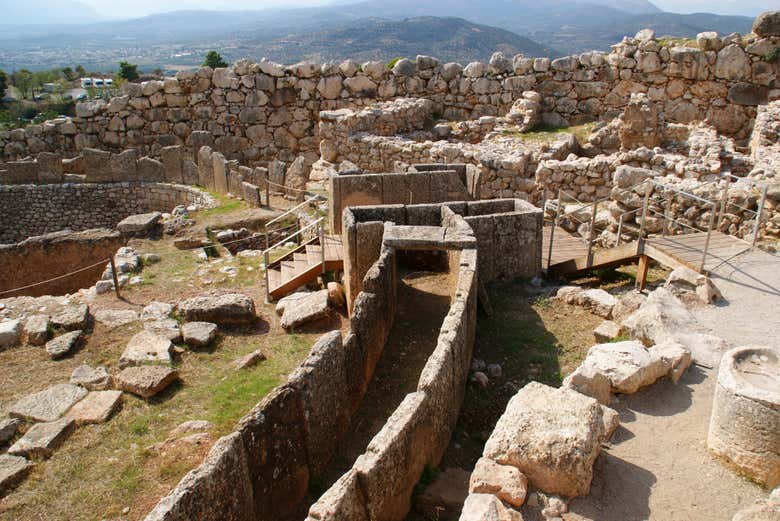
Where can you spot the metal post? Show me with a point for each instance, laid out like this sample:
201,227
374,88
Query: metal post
266,259
268,192
592,233
620,228
667,214
644,212
709,234
113,274
759,215
724,201
321,233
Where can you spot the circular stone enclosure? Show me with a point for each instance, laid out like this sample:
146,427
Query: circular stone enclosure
745,422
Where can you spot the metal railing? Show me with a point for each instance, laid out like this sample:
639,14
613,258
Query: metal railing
763,188
266,228
319,228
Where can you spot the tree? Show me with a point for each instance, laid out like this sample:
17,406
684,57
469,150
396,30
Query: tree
69,74
214,60
80,71
24,81
128,71
3,85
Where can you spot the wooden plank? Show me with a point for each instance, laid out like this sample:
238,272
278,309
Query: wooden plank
300,279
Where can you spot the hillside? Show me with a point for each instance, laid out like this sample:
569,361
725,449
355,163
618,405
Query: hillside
449,39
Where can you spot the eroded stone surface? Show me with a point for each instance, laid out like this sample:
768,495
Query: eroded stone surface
115,317
444,498
250,360
94,379
166,328
627,365
231,308
97,407
309,309
8,428
157,311
504,481
146,348
13,470
38,329
48,405
146,381
199,334
43,438
139,223
487,507
10,333
62,345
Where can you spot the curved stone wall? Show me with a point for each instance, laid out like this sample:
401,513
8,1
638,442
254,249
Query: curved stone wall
31,210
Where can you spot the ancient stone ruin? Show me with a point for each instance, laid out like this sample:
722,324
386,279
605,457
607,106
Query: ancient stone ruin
345,181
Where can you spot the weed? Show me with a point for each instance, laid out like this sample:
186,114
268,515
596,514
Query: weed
620,338
393,61
542,302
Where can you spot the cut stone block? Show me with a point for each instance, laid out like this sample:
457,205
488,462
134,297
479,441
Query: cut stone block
231,308
63,344
37,327
146,381
290,299
199,334
139,223
606,331
13,470
48,405
115,317
590,381
94,379
553,436
97,407
309,309
43,438
166,328
146,348
504,481
157,311
674,356
627,365
250,360
8,428
10,333
72,317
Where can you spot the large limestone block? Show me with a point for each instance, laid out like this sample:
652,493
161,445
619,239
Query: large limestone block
767,24
231,308
139,223
94,379
343,501
745,418
553,436
38,329
146,381
146,348
97,407
10,333
443,499
47,405
627,365
62,345
312,308
43,438
199,334
13,470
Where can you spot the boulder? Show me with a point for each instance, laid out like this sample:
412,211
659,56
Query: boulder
503,481
38,328
487,507
443,499
199,334
607,331
249,360
598,301
146,381
139,224
590,381
97,407
13,470
166,328
336,296
10,333
62,345
94,379
675,358
767,24
684,279
47,405
626,304
553,436
157,311
303,311
8,428
292,298
146,348
71,317
627,365
42,439
231,308
113,318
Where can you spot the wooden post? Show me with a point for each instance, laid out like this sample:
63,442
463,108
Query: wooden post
116,279
268,192
641,272
267,261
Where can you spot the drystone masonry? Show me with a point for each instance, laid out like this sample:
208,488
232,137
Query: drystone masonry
257,112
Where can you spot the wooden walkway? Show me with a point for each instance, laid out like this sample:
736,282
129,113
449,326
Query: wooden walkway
303,265
570,253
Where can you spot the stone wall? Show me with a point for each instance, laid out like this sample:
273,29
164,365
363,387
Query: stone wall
508,234
258,112
30,261
32,210
427,184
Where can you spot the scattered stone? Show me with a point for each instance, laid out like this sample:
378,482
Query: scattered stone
627,365
10,333
249,360
112,318
150,258
42,439
487,507
495,371
140,223
231,308
598,301
684,279
190,427
166,328
627,304
590,381
312,308
38,329
610,421
292,298
199,334
146,381
555,508
675,358
157,311
146,348
606,331
97,407
336,296
62,345
13,470
96,379
72,317
481,379
104,286
504,481
553,436
48,405
8,428
444,497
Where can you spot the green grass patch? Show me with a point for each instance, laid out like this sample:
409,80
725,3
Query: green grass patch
671,41
549,133
394,61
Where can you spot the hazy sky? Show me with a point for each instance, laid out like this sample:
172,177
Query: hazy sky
129,8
